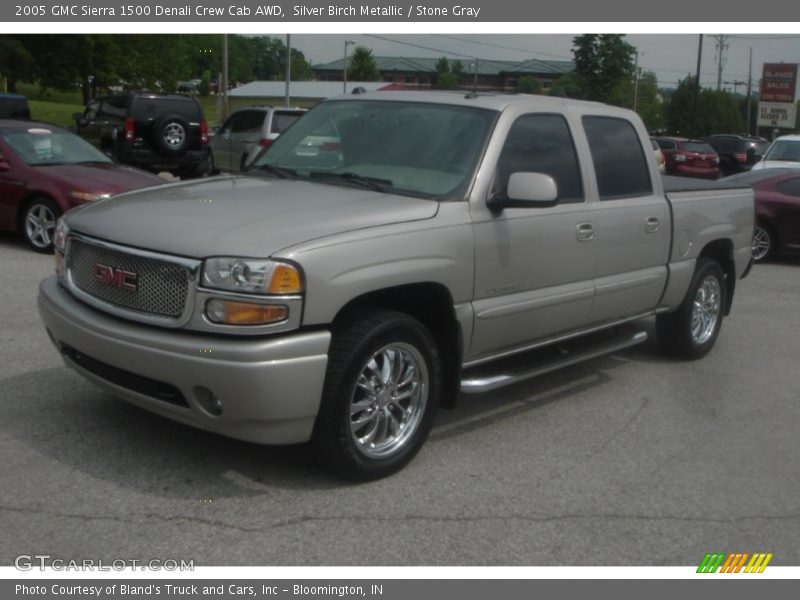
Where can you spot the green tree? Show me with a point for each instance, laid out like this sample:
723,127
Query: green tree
362,65
16,60
528,85
442,65
603,64
204,89
649,104
447,81
567,86
717,111
457,67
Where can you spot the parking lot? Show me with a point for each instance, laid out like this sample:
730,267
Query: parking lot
628,459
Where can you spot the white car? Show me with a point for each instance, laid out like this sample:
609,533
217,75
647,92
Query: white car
784,152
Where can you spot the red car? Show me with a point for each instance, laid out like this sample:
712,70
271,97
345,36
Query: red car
46,170
689,158
777,194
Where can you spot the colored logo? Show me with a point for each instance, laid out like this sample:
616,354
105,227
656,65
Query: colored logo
734,562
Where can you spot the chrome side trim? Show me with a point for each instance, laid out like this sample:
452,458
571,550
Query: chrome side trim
478,385
553,340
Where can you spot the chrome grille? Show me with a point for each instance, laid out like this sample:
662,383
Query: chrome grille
161,286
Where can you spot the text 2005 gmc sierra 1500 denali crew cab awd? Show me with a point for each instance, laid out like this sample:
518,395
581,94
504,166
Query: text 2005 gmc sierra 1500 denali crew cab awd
387,252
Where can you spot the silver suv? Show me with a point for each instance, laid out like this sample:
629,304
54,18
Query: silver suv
246,132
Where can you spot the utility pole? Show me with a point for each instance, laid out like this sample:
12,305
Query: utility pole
693,126
722,45
636,81
475,78
224,83
288,65
749,88
344,71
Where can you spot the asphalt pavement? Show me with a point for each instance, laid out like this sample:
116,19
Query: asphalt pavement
630,459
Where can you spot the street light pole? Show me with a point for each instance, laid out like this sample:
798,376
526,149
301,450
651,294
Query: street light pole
693,126
288,65
344,71
224,82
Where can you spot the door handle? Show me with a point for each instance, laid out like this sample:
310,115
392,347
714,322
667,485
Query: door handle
585,232
651,225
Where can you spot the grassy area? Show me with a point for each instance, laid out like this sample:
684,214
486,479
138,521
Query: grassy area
34,92
57,113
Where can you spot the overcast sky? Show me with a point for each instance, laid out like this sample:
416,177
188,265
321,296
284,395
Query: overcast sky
670,56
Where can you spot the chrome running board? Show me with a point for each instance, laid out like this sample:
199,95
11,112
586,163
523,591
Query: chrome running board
491,376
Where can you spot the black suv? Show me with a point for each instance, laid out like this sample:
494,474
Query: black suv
151,131
14,106
737,153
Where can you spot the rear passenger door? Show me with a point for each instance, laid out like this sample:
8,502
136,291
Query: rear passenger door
632,222
534,267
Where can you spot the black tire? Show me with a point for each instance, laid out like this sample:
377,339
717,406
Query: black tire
374,336
763,242
680,334
38,223
171,135
212,168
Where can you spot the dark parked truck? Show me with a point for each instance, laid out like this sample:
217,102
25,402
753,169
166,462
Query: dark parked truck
436,243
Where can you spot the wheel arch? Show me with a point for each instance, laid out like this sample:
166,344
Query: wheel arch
721,251
28,199
432,304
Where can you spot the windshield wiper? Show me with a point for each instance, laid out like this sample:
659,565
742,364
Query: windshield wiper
372,183
279,171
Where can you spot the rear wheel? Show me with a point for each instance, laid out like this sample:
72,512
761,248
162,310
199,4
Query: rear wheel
381,392
690,331
39,224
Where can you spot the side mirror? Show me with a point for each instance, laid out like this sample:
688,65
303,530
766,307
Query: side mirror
527,190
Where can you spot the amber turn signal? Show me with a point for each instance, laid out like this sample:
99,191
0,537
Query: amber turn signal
285,279
231,312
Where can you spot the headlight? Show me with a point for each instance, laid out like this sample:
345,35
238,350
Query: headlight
88,196
60,239
252,276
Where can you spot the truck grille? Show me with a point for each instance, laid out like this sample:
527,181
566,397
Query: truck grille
161,286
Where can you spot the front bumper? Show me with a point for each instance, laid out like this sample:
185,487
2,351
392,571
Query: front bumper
269,388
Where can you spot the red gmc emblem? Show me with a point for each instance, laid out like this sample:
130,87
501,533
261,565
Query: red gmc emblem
116,277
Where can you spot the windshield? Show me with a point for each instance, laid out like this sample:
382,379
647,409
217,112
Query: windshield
42,146
784,150
418,149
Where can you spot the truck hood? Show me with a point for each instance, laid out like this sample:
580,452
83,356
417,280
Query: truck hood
240,216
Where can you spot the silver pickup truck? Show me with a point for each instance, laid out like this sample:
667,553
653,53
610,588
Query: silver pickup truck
388,252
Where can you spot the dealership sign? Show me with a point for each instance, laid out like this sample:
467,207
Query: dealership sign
776,107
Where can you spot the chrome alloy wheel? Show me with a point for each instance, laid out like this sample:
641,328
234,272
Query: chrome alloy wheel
40,225
706,309
388,400
761,243
174,135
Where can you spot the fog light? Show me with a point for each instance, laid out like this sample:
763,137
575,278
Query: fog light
208,401
231,312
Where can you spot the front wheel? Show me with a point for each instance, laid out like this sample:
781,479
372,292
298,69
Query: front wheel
762,243
690,331
381,392
39,224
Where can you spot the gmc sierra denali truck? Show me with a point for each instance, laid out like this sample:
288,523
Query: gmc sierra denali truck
388,252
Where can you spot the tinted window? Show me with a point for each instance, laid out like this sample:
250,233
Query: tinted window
248,121
619,161
91,111
115,107
790,187
146,109
666,144
541,144
230,123
282,120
